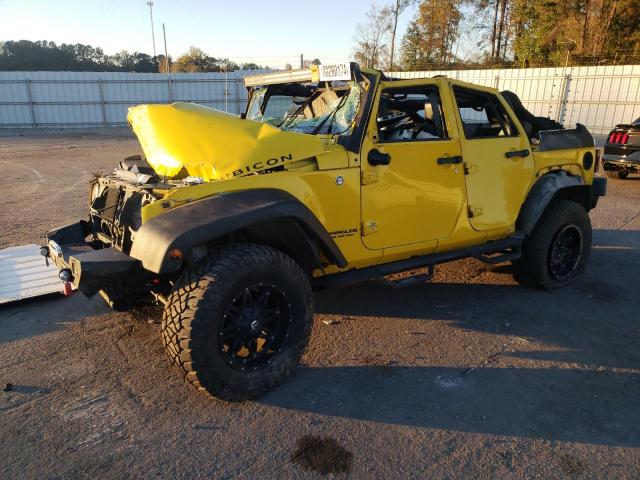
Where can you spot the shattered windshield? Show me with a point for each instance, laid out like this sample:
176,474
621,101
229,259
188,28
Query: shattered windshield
313,109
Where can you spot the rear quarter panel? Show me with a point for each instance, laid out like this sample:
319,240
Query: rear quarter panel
570,160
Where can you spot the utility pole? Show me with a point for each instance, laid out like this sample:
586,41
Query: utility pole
226,86
153,35
301,61
166,64
166,55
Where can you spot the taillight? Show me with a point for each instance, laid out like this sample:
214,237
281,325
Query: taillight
619,137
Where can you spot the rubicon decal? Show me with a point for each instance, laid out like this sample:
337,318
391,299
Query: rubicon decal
263,165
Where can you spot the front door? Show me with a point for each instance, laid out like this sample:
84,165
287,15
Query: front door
497,159
412,173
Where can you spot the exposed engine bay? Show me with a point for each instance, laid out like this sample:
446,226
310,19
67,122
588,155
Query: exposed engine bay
116,201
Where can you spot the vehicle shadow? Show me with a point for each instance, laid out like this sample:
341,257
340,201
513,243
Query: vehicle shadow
553,404
37,316
595,317
576,378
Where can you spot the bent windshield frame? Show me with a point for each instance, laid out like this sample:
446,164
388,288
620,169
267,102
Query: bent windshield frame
321,108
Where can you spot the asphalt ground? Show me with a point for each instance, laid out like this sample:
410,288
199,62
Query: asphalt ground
471,376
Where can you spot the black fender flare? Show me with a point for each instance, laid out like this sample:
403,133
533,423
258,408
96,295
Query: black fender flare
205,220
548,187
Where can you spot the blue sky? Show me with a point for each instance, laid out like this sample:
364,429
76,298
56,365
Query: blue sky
266,32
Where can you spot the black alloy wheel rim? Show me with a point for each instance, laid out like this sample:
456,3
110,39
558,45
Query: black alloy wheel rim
254,327
565,253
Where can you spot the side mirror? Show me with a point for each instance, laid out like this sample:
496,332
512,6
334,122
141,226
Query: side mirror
376,157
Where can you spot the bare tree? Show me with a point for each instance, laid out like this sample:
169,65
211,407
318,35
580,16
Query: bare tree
494,30
502,25
370,37
396,11
500,22
308,63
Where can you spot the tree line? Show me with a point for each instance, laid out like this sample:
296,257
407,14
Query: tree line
44,55
506,32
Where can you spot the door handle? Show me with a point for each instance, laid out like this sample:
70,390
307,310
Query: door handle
517,153
376,157
449,160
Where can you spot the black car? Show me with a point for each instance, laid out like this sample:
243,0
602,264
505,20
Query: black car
622,150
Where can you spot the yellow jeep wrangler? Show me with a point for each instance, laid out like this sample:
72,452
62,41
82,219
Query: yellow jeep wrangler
333,175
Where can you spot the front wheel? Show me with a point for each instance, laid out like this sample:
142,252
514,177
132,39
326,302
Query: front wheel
237,323
558,250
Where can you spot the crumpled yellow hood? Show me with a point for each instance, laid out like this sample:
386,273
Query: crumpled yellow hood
212,144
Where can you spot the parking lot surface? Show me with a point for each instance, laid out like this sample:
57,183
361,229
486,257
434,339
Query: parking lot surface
471,376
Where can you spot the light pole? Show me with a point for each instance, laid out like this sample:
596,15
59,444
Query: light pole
153,35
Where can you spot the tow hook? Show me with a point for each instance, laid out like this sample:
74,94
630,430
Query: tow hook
66,276
44,251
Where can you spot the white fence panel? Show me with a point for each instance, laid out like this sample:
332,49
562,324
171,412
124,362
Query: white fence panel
605,95
87,99
598,97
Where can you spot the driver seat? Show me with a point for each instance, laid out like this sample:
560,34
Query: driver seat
433,116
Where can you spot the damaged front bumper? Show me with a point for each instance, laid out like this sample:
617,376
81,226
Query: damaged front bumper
92,269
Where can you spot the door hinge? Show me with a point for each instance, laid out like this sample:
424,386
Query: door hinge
369,227
474,211
470,168
367,178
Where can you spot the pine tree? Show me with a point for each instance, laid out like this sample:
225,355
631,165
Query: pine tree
430,37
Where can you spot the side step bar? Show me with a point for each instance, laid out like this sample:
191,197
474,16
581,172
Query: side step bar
425,277
507,249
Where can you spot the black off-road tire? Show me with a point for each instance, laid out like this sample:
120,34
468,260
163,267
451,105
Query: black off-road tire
621,174
534,266
195,309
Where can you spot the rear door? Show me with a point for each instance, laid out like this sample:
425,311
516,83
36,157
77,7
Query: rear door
497,158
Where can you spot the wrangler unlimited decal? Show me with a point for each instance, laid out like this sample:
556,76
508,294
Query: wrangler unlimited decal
272,162
344,233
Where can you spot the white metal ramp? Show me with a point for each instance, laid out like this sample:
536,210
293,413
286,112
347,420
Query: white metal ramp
23,274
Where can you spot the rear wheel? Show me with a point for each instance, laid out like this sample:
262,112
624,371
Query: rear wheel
621,174
237,324
558,250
